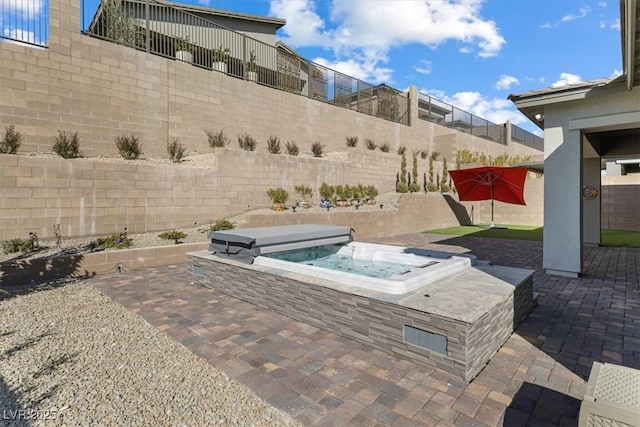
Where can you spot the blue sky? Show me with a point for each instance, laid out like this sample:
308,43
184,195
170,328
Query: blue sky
469,53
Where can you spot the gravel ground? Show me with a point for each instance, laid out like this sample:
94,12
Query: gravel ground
70,356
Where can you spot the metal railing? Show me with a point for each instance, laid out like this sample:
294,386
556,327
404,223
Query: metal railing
527,138
24,22
444,114
168,31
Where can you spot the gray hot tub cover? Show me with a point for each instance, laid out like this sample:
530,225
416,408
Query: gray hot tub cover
245,244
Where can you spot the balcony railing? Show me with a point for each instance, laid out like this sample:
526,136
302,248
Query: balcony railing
444,114
167,31
25,22
524,137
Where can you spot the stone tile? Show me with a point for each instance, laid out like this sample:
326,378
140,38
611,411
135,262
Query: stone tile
537,378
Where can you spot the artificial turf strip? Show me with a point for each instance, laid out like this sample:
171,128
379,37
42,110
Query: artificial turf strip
526,232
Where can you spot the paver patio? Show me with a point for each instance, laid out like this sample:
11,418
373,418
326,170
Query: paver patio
537,378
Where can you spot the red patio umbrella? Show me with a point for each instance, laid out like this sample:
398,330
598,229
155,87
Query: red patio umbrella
505,184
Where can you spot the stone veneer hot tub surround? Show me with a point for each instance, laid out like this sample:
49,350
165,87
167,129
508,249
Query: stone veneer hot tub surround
454,325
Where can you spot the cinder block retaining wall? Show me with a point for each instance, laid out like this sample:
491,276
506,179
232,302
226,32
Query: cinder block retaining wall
124,260
90,197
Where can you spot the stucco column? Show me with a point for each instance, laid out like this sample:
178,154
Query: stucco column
413,105
591,207
562,235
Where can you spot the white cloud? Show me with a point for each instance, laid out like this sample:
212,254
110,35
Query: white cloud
20,35
506,81
566,79
369,29
602,4
616,73
363,69
26,8
584,11
495,110
615,25
546,25
425,67
204,3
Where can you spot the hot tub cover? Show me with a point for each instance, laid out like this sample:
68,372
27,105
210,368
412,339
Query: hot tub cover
245,244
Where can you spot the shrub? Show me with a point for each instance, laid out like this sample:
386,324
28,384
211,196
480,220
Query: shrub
11,140
370,191
222,224
352,141
129,147
175,150
174,235
402,149
370,144
278,195
273,145
424,154
21,245
67,145
414,187
117,240
217,138
247,142
304,191
402,187
326,191
385,147
317,149
292,148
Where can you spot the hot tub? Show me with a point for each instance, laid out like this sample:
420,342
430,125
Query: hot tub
389,269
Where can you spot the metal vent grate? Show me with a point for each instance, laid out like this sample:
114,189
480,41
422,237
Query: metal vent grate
197,270
424,339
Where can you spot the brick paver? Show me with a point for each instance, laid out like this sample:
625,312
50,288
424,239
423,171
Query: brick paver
537,378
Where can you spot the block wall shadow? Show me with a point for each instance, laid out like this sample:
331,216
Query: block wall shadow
458,210
21,276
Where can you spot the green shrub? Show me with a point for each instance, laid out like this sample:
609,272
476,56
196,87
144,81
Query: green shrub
21,245
292,148
317,149
222,224
370,144
370,191
402,187
352,141
385,147
326,191
304,191
217,138
414,187
117,240
247,142
273,145
67,145
175,150
174,235
11,140
129,147
278,195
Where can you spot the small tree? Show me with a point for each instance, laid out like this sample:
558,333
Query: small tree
414,187
402,186
121,28
431,186
444,187
326,191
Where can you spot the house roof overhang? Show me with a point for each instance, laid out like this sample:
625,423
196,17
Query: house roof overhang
532,103
277,22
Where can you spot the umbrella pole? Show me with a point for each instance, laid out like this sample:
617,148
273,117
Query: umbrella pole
491,192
